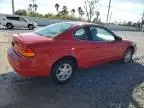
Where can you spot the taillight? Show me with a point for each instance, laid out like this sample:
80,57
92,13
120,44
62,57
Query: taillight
28,52
22,49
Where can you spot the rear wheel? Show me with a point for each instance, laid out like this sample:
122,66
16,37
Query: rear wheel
63,71
9,26
128,56
31,27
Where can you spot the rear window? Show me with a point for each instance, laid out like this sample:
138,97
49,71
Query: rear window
54,29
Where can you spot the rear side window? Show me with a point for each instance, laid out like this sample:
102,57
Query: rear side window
13,18
81,34
54,29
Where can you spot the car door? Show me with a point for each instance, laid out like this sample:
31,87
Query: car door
22,22
106,47
85,49
13,20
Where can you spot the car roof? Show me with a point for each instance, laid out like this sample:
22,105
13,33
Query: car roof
84,24
79,23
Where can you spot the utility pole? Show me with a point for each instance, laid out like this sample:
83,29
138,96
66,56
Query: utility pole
13,8
142,22
110,17
33,3
108,11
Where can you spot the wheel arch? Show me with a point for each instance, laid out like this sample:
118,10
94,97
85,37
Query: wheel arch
30,24
9,23
74,59
131,47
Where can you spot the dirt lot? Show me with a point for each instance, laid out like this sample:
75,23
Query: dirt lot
4,44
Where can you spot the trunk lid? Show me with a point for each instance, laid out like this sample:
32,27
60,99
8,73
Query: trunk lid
30,38
28,43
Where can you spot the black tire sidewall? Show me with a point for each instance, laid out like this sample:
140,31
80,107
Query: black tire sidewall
7,25
123,60
55,67
31,27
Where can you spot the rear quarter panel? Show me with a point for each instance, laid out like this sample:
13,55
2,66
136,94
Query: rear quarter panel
49,52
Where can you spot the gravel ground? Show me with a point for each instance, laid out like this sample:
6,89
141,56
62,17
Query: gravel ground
111,85
138,95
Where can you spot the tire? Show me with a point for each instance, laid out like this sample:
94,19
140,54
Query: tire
128,55
60,74
31,27
9,26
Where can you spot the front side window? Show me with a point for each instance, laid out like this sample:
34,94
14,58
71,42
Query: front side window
22,19
54,29
100,34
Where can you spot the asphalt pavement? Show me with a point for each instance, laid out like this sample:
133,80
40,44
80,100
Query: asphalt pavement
105,86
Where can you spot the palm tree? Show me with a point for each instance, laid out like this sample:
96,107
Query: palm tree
30,8
80,11
35,6
97,15
73,11
57,7
64,7
65,10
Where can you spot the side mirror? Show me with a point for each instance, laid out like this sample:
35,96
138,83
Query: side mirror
118,38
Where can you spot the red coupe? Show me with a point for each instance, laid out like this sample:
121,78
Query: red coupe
59,49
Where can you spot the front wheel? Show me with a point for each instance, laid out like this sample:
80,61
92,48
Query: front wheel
31,27
128,56
63,71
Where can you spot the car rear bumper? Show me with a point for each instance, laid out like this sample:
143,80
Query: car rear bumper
27,67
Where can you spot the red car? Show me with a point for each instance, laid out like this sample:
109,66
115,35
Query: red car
59,49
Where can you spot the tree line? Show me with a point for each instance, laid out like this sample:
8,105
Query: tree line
89,10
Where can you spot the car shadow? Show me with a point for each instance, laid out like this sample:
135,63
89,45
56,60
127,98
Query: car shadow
14,29
105,86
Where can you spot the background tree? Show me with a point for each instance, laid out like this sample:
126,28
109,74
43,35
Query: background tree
91,7
39,15
73,11
48,15
64,11
30,8
97,15
21,12
35,6
129,23
57,7
80,11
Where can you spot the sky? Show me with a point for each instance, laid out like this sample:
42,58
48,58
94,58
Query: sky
121,10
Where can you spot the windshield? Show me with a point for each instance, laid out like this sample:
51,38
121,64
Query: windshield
54,29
